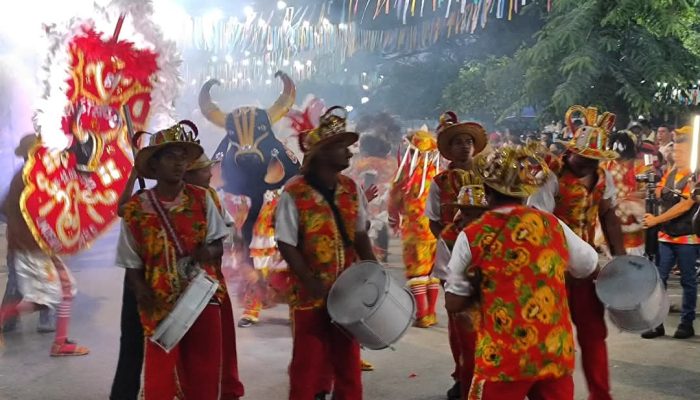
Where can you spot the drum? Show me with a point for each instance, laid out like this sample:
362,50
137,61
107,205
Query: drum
187,309
632,291
371,305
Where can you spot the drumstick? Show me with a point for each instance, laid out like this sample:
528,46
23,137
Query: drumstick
130,130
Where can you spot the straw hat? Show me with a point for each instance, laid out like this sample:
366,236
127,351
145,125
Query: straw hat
591,139
331,129
203,162
422,140
512,170
471,196
450,127
175,136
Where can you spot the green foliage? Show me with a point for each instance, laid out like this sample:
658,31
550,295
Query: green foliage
614,54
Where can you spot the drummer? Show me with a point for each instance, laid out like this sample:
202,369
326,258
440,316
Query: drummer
320,227
525,341
458,143
147,249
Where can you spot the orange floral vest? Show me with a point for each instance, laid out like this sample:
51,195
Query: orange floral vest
450,182
525,331
320,241
157,252
576,206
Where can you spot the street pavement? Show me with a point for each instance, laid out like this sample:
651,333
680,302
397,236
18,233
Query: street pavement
417,369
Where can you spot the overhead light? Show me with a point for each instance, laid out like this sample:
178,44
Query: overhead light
365,87
262,23
349,108
285,63
342,26
364,100
268,81
308,63
281,5
305,24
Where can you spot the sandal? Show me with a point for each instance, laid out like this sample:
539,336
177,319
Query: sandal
68,349
366,366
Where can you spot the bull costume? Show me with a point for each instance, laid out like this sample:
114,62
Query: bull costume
320,227
458,143
582,194
510,265
407,201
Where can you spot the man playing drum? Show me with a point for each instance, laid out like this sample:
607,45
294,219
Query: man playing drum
320,227
510,265
581,193
161,229
457,142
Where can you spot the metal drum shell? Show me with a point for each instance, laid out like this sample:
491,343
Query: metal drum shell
368,303
633,293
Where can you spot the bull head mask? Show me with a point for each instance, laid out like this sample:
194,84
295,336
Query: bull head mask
245,126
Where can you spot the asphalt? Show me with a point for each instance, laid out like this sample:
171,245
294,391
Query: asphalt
417,369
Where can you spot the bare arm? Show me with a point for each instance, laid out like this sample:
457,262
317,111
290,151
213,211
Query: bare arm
210,252
677,210
611,227
363,247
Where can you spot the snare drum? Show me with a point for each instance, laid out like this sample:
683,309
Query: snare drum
187,309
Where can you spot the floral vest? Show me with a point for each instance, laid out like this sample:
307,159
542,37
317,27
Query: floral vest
525,331
450,182
578,207
320,240
189,220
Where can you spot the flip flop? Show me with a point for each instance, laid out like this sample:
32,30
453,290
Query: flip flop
68,349
365,366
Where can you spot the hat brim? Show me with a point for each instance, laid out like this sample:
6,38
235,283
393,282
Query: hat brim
600,155
523,192
192,153
195,166
347,138
475,131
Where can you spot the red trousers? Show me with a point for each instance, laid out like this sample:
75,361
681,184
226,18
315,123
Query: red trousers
319,346
466,337
588,315
192,368
547,389
231,386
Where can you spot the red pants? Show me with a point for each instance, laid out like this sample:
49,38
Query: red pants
193,366
466,337
319,346
231,386
588,314
547,389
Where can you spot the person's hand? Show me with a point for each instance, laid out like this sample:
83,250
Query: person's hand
371,192
650,221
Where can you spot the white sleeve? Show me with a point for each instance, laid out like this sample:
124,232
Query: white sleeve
432,205
127,257
361,223
216,226
461,258
287,220
583,259
543,199
610,192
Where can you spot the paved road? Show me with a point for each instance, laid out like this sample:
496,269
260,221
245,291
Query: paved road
418,369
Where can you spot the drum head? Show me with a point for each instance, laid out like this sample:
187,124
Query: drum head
626,281
358,291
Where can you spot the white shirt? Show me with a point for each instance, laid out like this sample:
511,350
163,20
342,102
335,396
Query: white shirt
287,217
128,257
583,259
543,199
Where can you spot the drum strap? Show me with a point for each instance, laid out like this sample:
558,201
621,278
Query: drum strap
165,221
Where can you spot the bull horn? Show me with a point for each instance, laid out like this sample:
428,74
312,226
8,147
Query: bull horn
209,109
285,101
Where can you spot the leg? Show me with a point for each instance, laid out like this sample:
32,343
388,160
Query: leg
419,289
481,389
588,314
453,336
687,257
309,353
127,379
666,260
62,346
345,357
231,387
159,372
553,389
12,297
466,336
200,356
253,301
433,294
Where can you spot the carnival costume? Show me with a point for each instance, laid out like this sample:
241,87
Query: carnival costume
525,341
567,197
408,196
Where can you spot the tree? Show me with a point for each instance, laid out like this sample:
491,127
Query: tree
625,56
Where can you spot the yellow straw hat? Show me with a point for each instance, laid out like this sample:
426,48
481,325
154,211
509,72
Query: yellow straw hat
175,136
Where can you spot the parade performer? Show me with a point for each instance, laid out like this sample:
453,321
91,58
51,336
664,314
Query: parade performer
630,201
320,228
509,265
407,200
581,193
160,228
678,243
458,143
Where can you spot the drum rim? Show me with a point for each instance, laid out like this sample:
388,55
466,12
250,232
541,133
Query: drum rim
630,257
377,305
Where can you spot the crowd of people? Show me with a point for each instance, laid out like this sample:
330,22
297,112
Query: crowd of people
511,233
